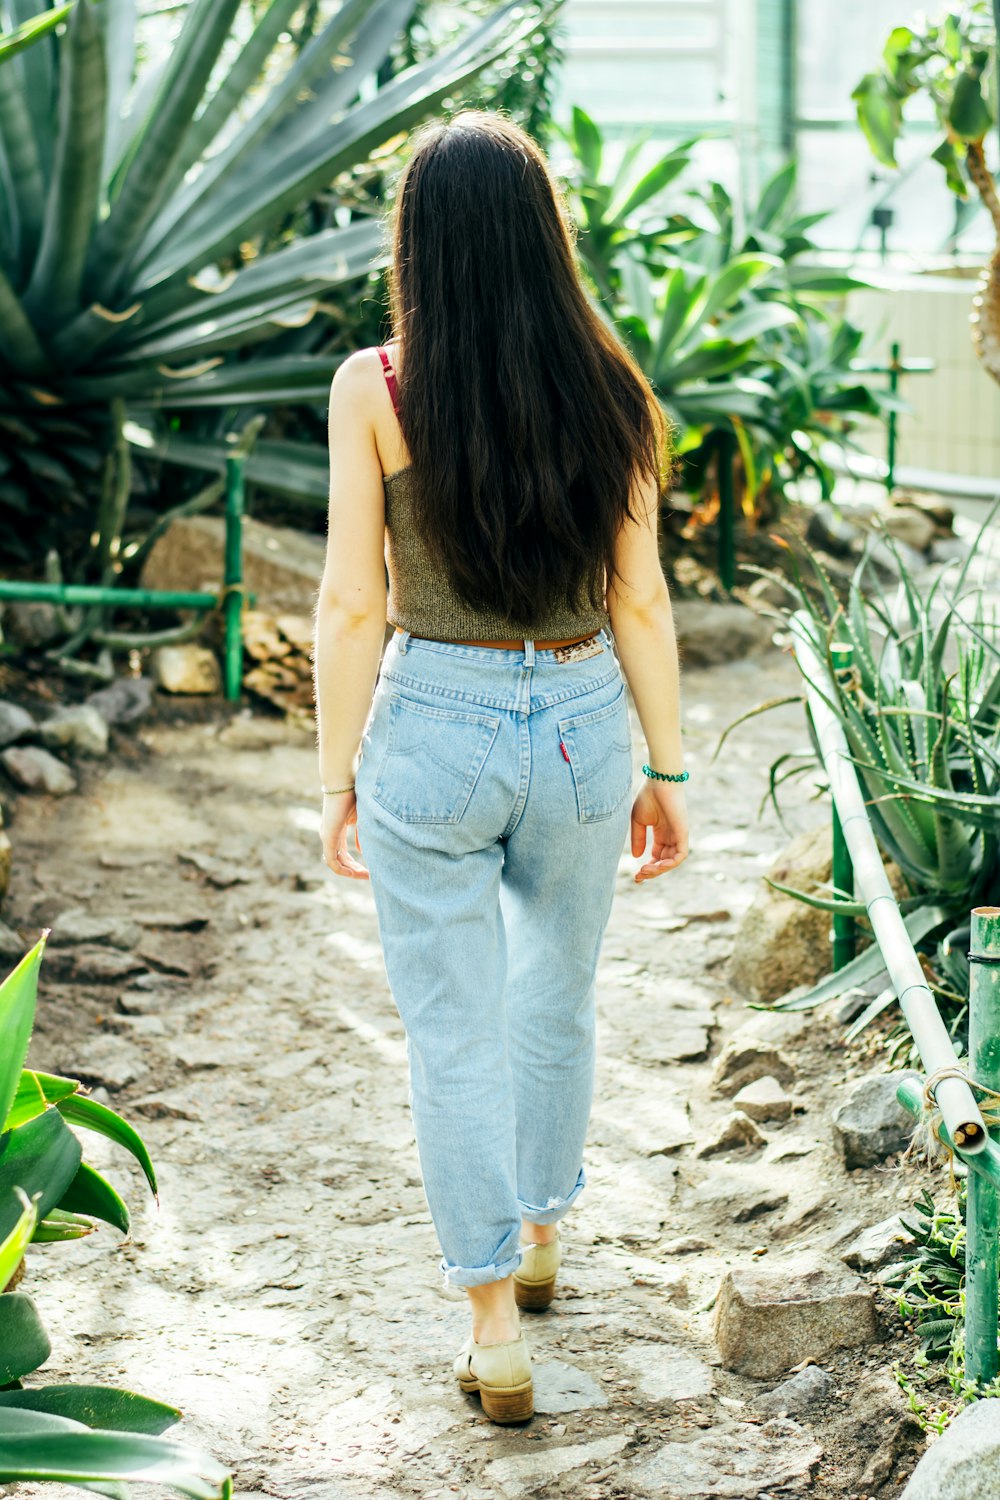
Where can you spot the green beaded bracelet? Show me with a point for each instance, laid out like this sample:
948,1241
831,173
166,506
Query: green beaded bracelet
666,775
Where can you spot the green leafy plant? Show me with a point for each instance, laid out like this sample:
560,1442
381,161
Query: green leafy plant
150,292
953,63
920,707
92,1436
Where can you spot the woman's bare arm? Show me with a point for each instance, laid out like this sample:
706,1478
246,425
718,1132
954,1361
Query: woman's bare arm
349,626
643,627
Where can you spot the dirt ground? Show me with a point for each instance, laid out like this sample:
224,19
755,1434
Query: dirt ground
285,1291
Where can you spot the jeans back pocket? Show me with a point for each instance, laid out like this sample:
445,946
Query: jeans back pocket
433,758
598,746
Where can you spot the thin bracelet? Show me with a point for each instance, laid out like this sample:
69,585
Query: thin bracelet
667,775
334,791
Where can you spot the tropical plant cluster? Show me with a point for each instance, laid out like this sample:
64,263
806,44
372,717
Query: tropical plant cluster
95,1436
170,231
725,312
919,702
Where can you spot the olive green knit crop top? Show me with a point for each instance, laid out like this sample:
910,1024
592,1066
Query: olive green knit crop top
421,597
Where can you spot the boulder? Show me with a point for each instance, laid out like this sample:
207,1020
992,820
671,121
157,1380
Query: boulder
797,1394
709,634
15,724
12,949
124,700
78,729
766,1321
871,1124
736,1132
878,1245
35,770
735,1462
764,1099
908,524
742,1061
186,669
281,566
964,1462
780,942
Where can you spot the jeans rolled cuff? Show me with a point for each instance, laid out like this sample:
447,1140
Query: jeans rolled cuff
478,1275
555,1207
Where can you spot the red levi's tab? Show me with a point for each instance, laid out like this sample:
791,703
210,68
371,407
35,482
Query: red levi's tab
562,747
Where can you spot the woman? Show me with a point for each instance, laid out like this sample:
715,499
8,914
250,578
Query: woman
504,458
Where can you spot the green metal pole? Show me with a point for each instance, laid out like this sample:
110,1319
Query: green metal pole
843,932
725,459
96,593
982,1358
891,434
233,576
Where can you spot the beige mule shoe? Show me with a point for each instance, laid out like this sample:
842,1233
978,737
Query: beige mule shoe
535,1277
501,1373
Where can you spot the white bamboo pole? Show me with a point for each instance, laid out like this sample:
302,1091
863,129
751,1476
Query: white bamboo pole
955,1098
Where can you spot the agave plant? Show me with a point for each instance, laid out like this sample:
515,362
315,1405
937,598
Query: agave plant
953,63
919,700
143,279
85,1434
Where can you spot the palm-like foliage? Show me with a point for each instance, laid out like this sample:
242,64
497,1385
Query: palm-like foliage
138,282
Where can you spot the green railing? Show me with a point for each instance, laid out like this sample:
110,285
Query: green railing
948,1085
229,597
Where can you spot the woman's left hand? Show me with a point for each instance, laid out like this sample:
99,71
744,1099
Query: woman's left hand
338,813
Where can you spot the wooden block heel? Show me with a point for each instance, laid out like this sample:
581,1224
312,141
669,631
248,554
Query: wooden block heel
534,1296
510,1404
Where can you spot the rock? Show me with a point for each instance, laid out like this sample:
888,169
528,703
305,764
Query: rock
736,1131
15,724
172,920
964,1462
78,729
519,1474
878,1245
90,963
78,926
780,942
6,860
949,549
281,564
795,1395
885,562
107,1060
908,525
687,1244
830,532
871,1124
738,1462
764,1099
561,1387
768,1320
741,1062
186,669
666,1372
709,634
740,1195
218,872
36,770
12,948
31,622
124,700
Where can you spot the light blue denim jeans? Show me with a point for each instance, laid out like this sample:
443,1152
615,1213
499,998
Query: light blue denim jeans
493,801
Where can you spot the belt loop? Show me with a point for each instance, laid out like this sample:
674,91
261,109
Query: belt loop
529,653
403,641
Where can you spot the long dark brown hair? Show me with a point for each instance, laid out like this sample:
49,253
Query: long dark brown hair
528,421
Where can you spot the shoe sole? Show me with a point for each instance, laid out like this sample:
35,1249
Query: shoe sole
506,1403
534,1296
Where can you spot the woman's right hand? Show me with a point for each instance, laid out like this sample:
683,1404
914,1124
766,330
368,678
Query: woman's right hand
661,806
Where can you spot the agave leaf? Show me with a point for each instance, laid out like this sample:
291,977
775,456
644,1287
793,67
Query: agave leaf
97,1406
25,180
78,1109
17,1241
866,967
872,1010
40,1158
119,30
29,1100
24,1344
90,1193
74,189
752,713
18,996
40,1445
28,32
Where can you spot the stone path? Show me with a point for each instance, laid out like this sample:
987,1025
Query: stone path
285,1292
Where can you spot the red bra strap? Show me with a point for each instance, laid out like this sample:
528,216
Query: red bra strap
390,379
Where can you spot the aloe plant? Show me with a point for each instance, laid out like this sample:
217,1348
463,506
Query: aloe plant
94,1436
920,707
144,280
952,62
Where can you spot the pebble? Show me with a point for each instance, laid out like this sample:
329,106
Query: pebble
35,770
78,729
